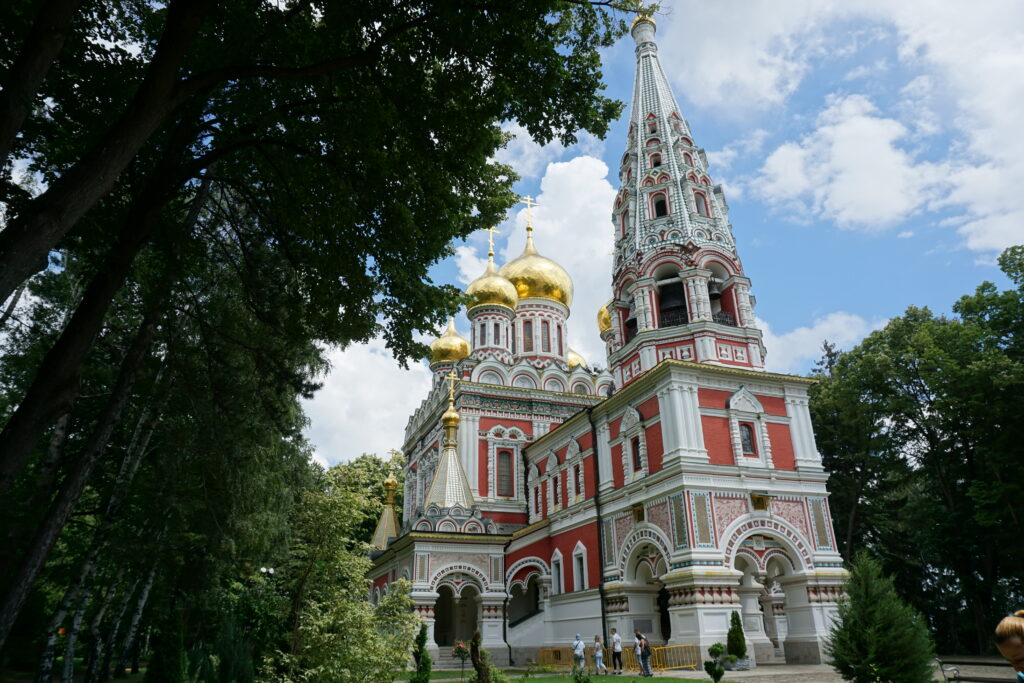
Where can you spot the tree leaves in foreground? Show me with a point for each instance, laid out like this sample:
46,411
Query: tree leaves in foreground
919,426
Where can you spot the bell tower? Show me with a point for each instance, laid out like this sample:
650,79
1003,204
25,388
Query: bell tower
678,285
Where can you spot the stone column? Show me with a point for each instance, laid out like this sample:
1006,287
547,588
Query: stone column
700,606
759,646
491,621
746,311
697,297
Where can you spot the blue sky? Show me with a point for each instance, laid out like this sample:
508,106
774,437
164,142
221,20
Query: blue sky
872,159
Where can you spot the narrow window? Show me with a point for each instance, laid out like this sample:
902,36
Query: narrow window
688,160
702,204
557,483
483,334
579,480
747,439
625,223
527,336
556,571
545,337
661,206
634,445
581,580
655,160
505,474
652,127
536,499
560,340
472,336
513,338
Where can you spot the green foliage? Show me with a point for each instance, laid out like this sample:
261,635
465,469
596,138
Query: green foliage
421,657
713,667
917,426
877,638
580,674
169,663
736,643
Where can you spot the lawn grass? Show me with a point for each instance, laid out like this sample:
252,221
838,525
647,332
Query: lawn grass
547,676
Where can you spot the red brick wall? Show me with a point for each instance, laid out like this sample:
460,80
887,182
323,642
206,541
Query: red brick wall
716,439
540,548
566,542
773,405
782,446
713,398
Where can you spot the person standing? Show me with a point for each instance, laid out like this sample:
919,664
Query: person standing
645,657
638,639
616,653
599,656
579,650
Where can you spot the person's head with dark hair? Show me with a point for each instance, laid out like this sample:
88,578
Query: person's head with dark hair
1010,640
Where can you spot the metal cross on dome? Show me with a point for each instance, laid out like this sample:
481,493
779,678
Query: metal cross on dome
490,239
530,203
452,379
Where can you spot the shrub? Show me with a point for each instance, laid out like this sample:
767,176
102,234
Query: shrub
876,636
714,667
735,643
169,663
421,657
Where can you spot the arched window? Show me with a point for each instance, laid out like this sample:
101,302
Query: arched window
497,334
702,203
672,305
634,447
653,141
652,127
505,474
706,181
527,336
624,223
545,337
630,327
688,159
483,334
556,488
747,439
560,340
660,203
655,160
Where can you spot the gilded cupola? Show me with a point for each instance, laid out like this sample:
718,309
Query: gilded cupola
604,319
536,276
491,289
450,346
574,358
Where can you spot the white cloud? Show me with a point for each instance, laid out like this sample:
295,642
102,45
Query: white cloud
906,234
797,350
529,159
861,178
739,55
865,70
749,146
365,402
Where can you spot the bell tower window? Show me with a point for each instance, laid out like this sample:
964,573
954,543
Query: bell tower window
630,327
655,160
660,205
672,305
702,203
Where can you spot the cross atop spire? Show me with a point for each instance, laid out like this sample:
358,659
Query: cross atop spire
452,379
530,203
490,240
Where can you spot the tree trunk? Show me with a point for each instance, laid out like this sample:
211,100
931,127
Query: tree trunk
76,627
12,304
111,639
127,647
29,236
71,596
99,643
50,527
42,45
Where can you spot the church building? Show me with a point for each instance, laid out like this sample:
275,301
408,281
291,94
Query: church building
544,498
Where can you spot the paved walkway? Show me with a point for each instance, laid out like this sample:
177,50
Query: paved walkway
772,673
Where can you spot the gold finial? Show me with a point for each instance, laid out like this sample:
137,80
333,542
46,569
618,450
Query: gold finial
530,203
490,241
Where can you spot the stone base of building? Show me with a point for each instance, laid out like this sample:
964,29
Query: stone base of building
804,652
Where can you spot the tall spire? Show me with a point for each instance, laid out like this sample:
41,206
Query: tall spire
449,487
387,525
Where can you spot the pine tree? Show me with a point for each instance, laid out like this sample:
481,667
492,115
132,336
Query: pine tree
735,643
877,638
421,657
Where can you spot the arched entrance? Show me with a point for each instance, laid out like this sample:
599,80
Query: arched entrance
456,614
648,598
524,600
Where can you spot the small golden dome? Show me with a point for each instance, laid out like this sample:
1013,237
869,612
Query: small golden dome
451,416
390,484
643,15
536,276
450,346
492,289
604,319
574,359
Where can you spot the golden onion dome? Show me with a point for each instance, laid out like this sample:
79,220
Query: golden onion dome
451,416
491,289
390,484
641,17
536,276
574,359
450,346
604,319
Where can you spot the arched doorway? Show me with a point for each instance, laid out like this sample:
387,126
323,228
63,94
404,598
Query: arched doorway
524,600
456,615
648,598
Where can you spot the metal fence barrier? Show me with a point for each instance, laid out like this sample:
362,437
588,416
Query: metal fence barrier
662,658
